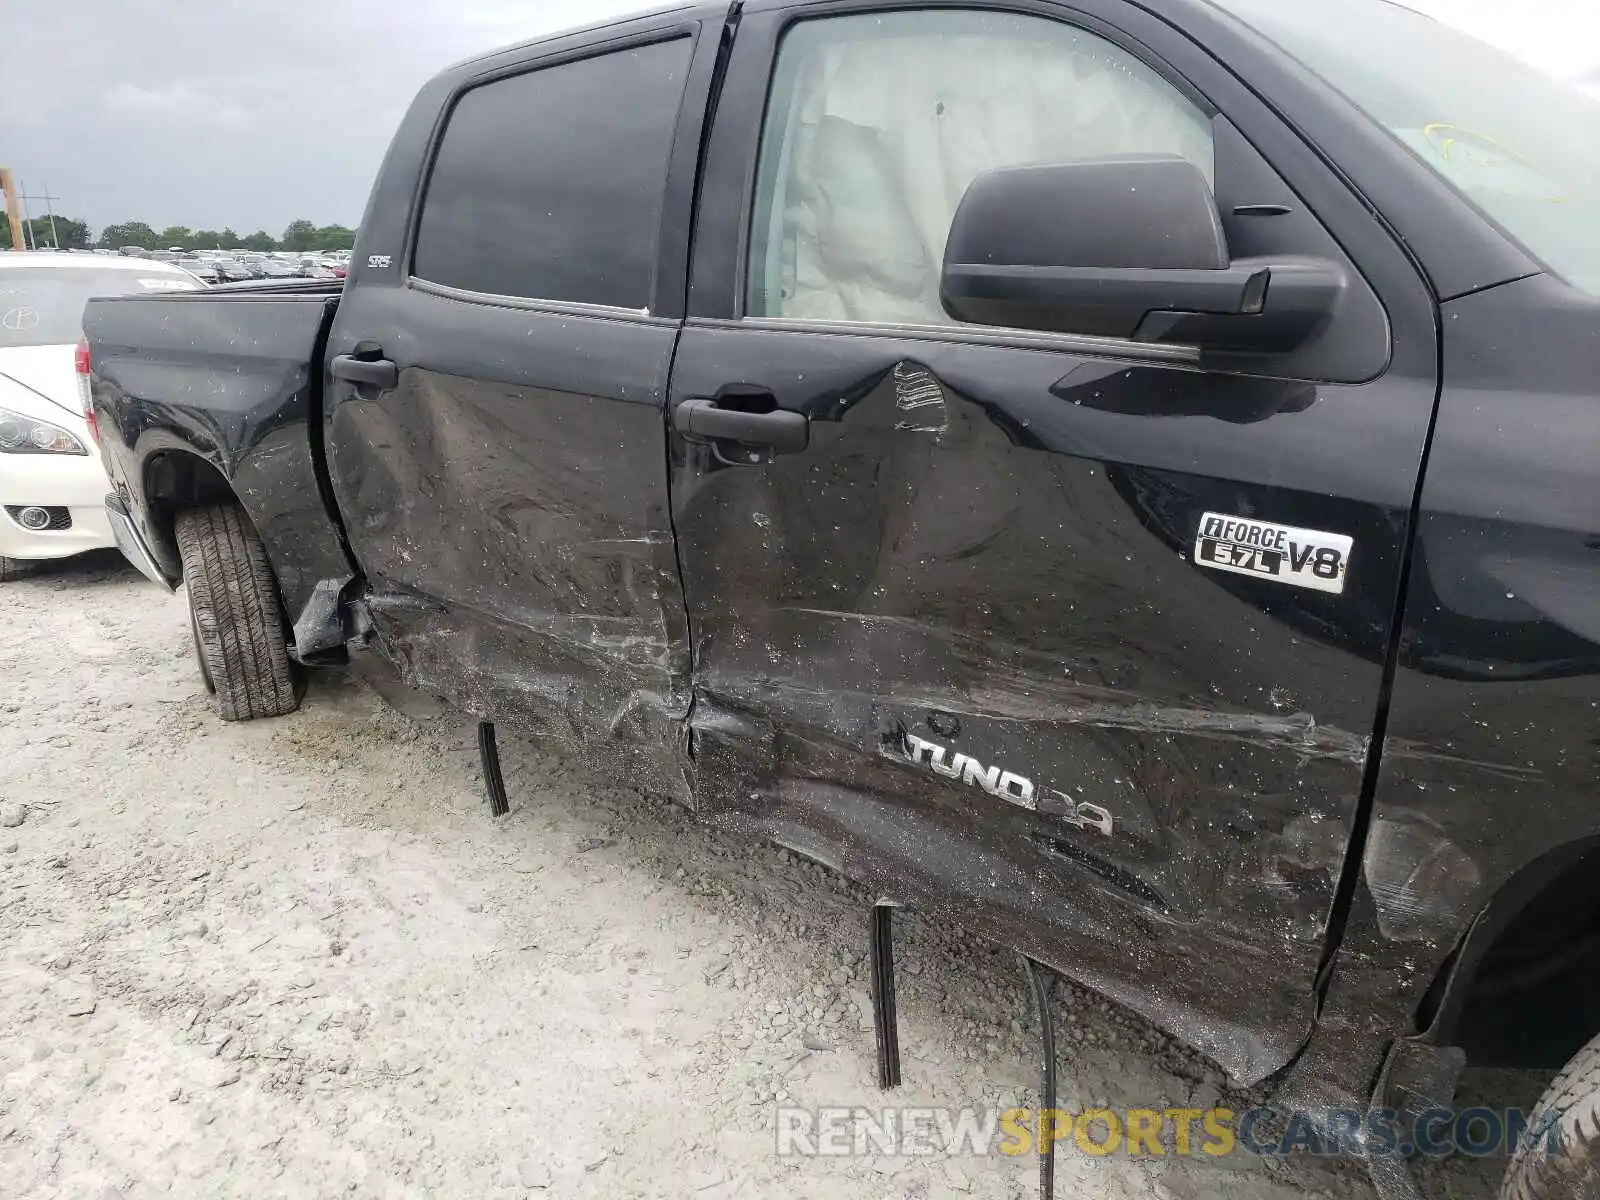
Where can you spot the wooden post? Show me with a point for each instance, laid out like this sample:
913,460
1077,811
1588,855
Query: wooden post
13,214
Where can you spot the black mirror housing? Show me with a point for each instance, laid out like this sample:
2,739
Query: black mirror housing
1124,248
1113,212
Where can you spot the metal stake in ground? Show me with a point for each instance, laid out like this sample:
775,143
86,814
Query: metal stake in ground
1039,985
489,755
885,1017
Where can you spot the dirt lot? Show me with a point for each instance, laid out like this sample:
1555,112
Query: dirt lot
296,958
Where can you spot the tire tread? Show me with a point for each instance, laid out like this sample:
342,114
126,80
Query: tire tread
234,598
1574,1098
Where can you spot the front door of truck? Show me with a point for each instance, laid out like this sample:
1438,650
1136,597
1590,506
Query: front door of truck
496,387
950,632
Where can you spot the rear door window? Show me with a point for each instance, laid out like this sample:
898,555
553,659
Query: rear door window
549,185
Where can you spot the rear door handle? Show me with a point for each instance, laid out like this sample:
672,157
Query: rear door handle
374,372
780,431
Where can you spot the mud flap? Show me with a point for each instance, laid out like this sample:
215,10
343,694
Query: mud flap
323,624
1425,1076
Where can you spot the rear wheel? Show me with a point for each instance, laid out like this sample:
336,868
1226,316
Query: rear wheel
235,615
1566,1166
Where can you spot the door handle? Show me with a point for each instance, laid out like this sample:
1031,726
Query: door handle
374,372
780,431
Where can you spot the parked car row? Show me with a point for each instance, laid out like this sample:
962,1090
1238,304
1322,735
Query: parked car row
239,266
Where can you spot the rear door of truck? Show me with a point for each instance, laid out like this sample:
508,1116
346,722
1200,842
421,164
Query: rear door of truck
497,377
952,633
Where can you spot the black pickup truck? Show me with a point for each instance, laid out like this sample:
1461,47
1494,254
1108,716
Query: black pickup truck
1119,475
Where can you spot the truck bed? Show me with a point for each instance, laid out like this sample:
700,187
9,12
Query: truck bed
227,382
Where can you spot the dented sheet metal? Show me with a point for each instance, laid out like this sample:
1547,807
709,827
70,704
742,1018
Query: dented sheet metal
1486,792
507,503
959,649
608,697
231,379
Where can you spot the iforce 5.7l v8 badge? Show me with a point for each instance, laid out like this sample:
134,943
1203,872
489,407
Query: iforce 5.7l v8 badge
1307,558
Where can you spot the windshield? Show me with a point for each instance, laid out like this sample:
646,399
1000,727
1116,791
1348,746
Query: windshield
1519,144
43,306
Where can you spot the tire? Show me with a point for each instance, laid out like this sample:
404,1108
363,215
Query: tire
235,615
1570,1170
12,568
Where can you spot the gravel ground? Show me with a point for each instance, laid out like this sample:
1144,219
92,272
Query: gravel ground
296,958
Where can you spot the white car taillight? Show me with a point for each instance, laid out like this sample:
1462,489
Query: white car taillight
80,360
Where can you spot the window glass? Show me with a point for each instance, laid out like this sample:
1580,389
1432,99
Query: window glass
1516,142
878,122
42,305
549,185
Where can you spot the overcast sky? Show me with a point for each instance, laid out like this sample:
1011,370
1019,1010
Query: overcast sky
252,113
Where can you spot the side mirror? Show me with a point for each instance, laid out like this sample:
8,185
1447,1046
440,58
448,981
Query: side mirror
1125,248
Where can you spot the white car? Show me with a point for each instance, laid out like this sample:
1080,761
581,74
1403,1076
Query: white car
52,484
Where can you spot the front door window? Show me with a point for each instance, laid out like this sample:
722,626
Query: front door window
878,122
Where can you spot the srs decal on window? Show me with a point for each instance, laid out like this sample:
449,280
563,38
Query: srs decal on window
1478,162
1308,558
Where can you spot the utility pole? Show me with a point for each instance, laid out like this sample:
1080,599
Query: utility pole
27,221
13,216
50,212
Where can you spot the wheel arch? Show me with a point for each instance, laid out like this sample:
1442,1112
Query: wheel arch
1517,991
173,480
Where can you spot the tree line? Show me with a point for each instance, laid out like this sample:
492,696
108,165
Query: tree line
72,234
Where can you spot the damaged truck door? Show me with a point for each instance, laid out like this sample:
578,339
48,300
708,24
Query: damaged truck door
494,416
980,447
1042,561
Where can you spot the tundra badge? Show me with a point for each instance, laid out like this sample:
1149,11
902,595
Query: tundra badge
1007,785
